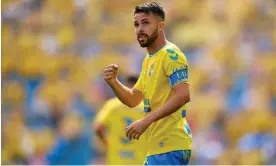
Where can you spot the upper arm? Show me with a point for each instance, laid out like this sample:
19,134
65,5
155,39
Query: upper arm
182,89
137,97
137,90
98,127
176,67
139,84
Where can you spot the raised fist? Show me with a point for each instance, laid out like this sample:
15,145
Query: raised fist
111,73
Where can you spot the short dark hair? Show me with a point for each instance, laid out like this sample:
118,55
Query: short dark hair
151,7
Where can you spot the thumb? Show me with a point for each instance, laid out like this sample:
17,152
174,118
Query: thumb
115,66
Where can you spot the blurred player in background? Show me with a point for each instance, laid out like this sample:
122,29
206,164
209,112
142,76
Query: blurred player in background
163,85
113,119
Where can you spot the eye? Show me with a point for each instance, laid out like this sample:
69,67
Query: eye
136,25
145,22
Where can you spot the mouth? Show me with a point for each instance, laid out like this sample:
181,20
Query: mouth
141,37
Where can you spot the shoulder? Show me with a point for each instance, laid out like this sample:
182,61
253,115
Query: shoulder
172,52
172,48
113,102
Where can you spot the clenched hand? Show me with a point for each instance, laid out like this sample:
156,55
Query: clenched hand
111,73
136,129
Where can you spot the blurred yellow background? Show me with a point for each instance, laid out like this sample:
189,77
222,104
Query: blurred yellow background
53,53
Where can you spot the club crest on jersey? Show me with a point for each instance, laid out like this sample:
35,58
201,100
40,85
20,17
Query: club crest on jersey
151,70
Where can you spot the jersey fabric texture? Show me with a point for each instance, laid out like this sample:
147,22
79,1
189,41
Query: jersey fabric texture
116,117
160,72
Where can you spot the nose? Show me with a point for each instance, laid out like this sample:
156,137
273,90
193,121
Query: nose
140,30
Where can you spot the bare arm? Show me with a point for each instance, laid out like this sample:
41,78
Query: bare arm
180,97
100,132
130,97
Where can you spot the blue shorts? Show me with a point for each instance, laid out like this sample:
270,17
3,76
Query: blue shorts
180,157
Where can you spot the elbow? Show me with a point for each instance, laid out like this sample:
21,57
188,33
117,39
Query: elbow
182,92
134,103
186,99
97,128
127,104
131,105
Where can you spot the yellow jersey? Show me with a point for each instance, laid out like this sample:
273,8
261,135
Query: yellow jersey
161,71
116,117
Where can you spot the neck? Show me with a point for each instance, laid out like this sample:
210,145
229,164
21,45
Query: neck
159,42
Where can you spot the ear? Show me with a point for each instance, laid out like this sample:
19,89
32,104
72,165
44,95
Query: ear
161,26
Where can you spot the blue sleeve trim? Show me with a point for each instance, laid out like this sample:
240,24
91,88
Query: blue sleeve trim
183,113
147,109
178,76
187,127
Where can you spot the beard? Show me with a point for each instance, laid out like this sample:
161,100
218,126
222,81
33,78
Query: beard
148,39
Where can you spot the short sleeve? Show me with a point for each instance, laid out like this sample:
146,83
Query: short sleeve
140,82
104,115
176,67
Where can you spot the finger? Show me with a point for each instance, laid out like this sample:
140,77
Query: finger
108,77
109,74
110,66
133,134
127,130
115,66
130,132
108,69
137,136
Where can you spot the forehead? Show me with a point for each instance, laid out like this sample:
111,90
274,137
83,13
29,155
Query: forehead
141,16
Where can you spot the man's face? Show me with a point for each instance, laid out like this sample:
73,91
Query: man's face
146,28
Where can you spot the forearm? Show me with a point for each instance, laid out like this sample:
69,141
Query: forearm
171,106
102,137
124,94
100,131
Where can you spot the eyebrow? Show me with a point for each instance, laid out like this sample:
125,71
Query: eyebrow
145,19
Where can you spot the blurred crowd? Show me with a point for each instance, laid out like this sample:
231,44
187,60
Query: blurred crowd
53,53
